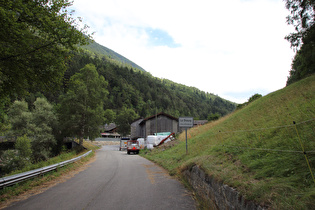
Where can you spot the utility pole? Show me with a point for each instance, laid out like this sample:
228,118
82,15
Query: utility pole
155,120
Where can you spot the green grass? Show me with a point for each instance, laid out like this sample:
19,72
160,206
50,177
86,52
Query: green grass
257,149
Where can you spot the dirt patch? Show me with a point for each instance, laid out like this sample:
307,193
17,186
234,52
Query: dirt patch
45,186
167,145
153,172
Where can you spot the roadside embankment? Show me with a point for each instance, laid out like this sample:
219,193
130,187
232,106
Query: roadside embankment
214,194
265,151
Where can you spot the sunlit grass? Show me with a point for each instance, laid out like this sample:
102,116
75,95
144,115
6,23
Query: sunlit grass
258,149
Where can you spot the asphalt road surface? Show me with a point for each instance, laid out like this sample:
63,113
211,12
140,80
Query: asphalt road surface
114,180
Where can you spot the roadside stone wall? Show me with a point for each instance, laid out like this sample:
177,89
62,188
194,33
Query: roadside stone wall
214,194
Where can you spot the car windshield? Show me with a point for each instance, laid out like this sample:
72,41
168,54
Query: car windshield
133,143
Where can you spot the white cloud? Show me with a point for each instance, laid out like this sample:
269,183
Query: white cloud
230,48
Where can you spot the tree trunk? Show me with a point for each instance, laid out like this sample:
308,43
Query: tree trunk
81,137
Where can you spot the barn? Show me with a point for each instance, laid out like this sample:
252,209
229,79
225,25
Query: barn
158,123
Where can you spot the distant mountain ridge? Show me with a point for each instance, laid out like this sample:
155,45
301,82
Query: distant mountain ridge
98,49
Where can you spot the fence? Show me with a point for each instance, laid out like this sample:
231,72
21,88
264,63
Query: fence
11,180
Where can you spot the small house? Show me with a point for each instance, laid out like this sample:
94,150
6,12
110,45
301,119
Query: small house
110,131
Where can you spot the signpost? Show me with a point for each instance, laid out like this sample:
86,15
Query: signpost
186,122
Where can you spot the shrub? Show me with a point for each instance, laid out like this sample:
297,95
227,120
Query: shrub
24,150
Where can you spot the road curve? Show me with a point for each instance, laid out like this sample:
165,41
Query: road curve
114,181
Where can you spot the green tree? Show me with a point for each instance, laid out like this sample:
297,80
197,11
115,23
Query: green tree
20,118
109,115
24,149
213,117
303,64
254,97
37,125
35,37
302,17
43,121
4,119
81,110
19,158
9,161
124,119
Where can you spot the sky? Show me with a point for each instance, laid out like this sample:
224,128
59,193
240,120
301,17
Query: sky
231,48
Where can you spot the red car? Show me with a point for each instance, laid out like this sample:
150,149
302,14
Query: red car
133,146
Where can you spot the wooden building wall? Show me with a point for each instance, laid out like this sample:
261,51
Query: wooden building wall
160,124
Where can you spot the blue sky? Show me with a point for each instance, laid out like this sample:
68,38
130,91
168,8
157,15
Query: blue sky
158,37
231,48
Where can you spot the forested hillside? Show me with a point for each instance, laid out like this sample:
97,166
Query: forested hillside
94,47
138,90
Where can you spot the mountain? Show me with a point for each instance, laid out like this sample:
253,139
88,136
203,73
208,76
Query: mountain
132,87
111,55
146,95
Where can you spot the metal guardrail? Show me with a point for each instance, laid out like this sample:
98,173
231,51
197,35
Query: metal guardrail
11,180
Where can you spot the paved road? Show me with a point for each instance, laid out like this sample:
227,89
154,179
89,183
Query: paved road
114,181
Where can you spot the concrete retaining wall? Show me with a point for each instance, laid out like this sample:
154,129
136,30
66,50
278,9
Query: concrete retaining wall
214,194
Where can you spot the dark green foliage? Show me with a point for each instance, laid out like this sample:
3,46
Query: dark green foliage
43,121
302,17
81,110
254,97
110,116
215,116
125,117
20,118
303,64
4,119
144,93
34,39
9,160
33,131
24,152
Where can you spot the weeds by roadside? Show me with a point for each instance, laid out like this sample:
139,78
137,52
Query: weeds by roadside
36,185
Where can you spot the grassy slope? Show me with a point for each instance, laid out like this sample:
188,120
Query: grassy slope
232,149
